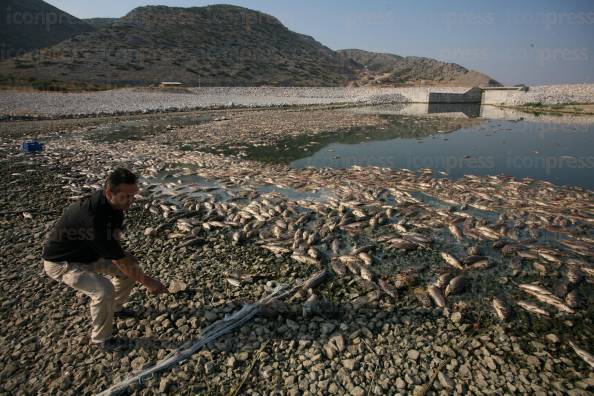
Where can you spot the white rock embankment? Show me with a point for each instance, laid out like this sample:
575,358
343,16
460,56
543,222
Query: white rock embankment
132,100
544,94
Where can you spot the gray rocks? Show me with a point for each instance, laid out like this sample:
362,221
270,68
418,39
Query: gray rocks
413,354
456,317
350,364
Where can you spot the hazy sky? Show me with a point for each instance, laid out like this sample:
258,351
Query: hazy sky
527,41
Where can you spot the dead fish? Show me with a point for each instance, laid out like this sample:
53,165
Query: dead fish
348,259
400,243
501,309
468,260
575,275
547,256
509,249
387,288
338,267
530,287
233,282
456,285
527,255
443,280
455,231
353,267
551,300
305,259
530,307
361,249
238,236
481,264
540,268
367,259
335,246
313,253
585,356
588,271
437,296
366,274
277,249
473,250
572,299
451,260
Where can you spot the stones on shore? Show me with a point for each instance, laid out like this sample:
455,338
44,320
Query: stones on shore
389,343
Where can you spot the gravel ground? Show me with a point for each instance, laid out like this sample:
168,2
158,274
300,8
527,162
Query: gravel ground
45,104
141,100
366,346
556,94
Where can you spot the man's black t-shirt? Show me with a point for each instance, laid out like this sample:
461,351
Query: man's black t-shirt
85,232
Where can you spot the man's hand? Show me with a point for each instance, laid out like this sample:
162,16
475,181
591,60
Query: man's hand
154,286
130,268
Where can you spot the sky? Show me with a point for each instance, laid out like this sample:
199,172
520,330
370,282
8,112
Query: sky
529,41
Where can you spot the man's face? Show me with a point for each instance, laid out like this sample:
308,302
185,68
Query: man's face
123,197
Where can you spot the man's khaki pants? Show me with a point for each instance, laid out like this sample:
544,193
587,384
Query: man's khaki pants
107,296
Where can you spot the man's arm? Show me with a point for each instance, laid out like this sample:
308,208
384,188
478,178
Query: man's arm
130,268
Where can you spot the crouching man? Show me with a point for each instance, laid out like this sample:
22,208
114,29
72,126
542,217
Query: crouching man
84,246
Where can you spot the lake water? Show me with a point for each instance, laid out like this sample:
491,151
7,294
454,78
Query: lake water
559,149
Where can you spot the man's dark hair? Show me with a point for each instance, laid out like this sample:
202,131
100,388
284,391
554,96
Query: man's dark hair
120,176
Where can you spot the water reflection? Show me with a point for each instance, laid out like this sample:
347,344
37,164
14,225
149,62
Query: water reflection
470,110
559,153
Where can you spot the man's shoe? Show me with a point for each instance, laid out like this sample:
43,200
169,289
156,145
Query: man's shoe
113,344
125,313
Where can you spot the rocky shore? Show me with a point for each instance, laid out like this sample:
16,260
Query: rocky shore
14,104
387,331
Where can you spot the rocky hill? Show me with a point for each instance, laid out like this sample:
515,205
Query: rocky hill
217,45
214,45
27,25
99,23
390,69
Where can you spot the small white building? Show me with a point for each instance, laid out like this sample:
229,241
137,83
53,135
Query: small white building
170,84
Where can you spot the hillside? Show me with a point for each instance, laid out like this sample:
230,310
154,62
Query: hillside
28,25
390,69
214,45
99,23
217,45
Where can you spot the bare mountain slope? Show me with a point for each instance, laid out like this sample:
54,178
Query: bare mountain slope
27,25
214,45
390,69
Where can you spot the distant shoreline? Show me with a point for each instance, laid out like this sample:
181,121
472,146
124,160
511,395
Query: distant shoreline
16,105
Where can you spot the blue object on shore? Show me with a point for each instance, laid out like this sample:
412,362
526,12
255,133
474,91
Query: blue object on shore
32,146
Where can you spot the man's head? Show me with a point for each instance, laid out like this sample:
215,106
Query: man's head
120,188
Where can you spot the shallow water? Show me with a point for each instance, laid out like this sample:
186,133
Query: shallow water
555,148
560,153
